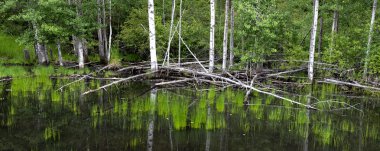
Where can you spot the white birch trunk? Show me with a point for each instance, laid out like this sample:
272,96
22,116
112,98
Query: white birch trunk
80,53
179,33
232,35
370,38
110,35
312,41
225,36
59,53
152,36
212,35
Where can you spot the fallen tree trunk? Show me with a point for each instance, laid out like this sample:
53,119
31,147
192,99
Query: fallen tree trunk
332,81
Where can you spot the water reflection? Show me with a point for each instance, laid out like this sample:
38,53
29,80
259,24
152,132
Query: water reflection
34,116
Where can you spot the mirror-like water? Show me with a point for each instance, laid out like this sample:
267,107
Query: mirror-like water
34,116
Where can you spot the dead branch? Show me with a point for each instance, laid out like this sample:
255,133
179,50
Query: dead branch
249,91
118,81
6,79
174,82
80,79
285,72
195,57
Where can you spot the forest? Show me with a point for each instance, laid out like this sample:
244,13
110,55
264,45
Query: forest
194,72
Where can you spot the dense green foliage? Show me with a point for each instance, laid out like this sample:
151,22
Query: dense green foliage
264,30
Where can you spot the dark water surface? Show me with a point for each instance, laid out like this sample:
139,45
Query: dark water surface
34,116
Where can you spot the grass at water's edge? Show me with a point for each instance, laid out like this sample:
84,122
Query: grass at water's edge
11,51
44,71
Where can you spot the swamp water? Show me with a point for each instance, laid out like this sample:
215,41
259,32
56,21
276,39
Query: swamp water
132,116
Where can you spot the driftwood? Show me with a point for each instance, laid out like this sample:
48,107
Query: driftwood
332,81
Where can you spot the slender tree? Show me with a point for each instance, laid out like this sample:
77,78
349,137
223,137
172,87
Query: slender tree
39,48
79,41
179,33
225,36
100,32
59,53
312,40
104,24
108,52
370,39
232,30
320,39
212,35
152,36
334,31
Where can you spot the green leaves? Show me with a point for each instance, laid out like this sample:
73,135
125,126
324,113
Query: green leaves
260,26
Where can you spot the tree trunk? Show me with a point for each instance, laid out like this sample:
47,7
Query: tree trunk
26,55
80,52
108,53
163,12
152,36
370,39
334,30
75,44
79,42
105,42
100,33
312,41
39,48
225,36
45,52
179,33
85,50
51,53
320,40
232,30
59,53
212,35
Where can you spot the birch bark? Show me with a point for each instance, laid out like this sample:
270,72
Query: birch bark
152,36
225,36
232,30
370,38
212,35
312,41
